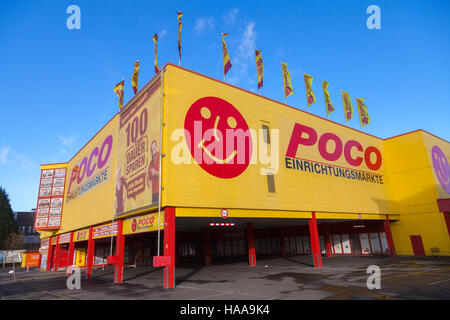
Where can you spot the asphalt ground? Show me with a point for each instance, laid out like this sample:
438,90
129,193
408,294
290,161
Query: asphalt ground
290,278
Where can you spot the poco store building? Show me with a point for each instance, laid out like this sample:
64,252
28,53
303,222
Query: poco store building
196,169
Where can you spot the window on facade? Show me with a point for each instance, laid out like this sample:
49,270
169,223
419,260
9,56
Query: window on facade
271,183
266,133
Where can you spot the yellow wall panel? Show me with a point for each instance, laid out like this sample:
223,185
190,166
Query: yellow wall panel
90,199
189,185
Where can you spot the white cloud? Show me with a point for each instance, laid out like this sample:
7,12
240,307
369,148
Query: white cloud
9,157
244,59
248,42
67,140
230,17
162,34
4,155
204,24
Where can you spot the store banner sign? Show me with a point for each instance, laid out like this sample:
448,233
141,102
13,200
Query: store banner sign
145,223
32,259
106,230
50,198
43,261
93,170
44,246
14,256
137,173
81,235
64,238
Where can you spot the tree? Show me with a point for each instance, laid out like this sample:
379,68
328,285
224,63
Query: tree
8,225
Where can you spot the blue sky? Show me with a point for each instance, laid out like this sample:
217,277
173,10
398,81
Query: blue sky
56,84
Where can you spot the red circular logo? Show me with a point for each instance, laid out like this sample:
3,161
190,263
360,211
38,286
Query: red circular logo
133,225
218,137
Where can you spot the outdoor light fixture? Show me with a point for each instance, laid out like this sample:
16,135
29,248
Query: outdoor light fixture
222,224
358,224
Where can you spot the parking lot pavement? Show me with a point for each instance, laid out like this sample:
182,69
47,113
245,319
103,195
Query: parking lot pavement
290,278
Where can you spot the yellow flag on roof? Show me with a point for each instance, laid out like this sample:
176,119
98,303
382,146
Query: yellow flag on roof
286,80
310,98
362,110
155,40
348,108
118,89
329,107
226,56
135,77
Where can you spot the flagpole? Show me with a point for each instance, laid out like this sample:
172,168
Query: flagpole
179,49
179,42
223,70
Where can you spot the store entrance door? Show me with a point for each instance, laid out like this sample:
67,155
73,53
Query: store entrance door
64,256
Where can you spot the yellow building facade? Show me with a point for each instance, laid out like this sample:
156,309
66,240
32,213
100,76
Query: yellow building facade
208,152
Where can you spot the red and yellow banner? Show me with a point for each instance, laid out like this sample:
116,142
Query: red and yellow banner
31,259
155,40
106,230
259,68
50,197
64,238
329,107
348,108
226,57
81,235
364,118
286,80
118,89
135,77
310,98
180,14
145,223
138,155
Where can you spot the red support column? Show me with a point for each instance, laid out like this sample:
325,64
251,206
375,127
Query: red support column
327,239
315,244
49,255
169,246
251,245
207,247
57,254
120,251
447,221
390,240
71,249
90,254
